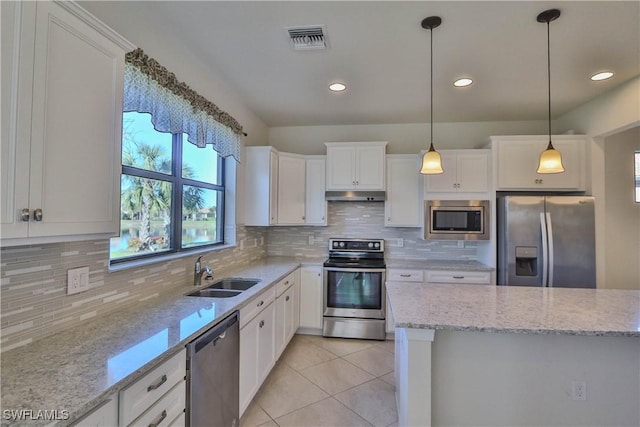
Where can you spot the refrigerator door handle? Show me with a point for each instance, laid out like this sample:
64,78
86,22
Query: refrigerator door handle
545,248
550,238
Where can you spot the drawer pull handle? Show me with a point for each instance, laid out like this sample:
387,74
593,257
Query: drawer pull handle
161,417
37,215
24,215
458,277
260,303
261,323
405,275
163,379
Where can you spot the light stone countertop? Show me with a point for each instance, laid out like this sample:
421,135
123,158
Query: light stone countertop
515,309
78,369
426,264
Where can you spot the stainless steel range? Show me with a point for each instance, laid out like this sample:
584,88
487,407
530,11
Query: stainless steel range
354,293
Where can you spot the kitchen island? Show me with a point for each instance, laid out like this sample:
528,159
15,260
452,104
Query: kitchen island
487,355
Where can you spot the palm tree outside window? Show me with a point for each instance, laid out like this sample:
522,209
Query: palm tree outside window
172,193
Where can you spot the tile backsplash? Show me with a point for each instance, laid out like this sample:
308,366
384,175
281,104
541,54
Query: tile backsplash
33,279
363,220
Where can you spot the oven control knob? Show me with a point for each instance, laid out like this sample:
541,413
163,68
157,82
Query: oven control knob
342,244
335,244
377,245
370,245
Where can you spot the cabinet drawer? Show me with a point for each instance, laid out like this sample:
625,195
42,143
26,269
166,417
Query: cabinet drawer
285,284
165,410
405,275
468,277
139,396
256,305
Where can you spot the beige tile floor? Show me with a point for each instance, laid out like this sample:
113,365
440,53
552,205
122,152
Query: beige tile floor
328,382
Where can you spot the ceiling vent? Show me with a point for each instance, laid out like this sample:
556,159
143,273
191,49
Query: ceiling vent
308,37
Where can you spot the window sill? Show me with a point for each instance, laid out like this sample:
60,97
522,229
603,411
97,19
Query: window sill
169,257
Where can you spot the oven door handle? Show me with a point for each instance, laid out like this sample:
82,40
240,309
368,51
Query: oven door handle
356,270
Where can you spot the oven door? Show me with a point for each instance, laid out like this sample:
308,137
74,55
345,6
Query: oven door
354,292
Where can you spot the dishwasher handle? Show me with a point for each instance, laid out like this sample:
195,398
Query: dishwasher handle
213,335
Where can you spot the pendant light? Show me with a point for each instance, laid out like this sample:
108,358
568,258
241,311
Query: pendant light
431,161
550,159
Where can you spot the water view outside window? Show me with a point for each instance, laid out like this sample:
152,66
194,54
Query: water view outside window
159,172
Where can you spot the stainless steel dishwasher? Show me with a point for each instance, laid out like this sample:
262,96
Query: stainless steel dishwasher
213,375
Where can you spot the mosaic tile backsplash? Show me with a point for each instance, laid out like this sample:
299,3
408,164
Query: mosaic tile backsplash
363,220
33,280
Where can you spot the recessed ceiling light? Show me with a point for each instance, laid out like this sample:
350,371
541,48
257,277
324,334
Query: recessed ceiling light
604,75
337,87
462,82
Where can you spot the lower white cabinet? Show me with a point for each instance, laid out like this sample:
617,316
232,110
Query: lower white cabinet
105,415
311,297
285,311
158,397
400,275
257,351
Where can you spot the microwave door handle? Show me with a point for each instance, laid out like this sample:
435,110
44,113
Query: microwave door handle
545,254
550,240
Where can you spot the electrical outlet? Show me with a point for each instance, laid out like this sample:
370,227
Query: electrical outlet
312,240
579,390
77,280
400,242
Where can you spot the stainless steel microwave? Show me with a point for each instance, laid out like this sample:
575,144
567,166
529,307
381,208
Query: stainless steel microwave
456,220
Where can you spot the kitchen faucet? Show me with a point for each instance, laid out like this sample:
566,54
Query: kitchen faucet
198,271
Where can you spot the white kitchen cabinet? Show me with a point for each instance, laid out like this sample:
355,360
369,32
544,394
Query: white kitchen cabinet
261,186
106,415
315,200
464,171
516,160
257,348
145,399
62,81
400,275
459,277
291,189
285,310
403,201
311,297
355,165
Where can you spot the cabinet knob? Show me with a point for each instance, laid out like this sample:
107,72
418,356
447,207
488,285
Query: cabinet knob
303,218
24,215
357,182
287,298
260,303
261,323
389,219
37,215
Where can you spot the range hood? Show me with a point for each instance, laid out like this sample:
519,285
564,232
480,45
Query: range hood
355,196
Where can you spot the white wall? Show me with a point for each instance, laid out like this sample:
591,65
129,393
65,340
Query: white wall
403,138
622,213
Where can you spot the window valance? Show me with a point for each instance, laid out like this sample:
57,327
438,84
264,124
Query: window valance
176,108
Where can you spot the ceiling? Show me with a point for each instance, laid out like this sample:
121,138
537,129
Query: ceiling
381,52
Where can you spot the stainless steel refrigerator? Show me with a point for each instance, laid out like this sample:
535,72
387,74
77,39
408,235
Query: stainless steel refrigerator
546,241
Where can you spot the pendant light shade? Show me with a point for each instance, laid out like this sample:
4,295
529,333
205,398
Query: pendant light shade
550,159
431,161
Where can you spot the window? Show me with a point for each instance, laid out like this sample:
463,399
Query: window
637,175
172,193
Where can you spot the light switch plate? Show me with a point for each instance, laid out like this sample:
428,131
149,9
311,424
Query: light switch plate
77,280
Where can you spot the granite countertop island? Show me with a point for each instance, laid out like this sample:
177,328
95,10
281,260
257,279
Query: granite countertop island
516,355
432,264
78,369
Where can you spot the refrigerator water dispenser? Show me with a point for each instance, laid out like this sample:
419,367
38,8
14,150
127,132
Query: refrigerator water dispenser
526,261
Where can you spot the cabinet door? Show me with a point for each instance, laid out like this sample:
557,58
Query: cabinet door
266,322
284,320
370,168
517,164
291,189
402,207
105,416
473,171
76,126
341,168
447,180
311,297
273,188
316,203
248,363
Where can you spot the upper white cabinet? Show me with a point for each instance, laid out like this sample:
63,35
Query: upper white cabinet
315,201
62,88
261,186
291,189
516,159
403,200
464,171
355,165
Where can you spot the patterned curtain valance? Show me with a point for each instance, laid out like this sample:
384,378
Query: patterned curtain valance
176,108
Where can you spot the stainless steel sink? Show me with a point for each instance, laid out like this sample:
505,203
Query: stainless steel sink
225,288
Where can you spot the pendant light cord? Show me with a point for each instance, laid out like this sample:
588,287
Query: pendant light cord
431,88
549,79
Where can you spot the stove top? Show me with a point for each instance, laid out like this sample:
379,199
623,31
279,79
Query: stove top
356,253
